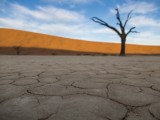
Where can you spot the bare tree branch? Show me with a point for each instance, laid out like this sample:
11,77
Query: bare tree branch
95,19
119,19
135,32
128,18
131,31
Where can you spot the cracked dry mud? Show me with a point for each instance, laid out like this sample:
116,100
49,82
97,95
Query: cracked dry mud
79,88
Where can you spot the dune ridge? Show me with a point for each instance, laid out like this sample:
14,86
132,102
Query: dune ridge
13,39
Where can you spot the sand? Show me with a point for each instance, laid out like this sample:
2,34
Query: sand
29,43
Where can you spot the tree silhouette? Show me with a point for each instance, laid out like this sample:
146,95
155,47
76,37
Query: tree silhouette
17,48
122,33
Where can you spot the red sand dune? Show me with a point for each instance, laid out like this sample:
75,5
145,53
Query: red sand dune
35,43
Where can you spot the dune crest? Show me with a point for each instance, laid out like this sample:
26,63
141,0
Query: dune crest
35,43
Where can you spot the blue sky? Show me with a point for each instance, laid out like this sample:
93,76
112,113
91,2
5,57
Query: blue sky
71,18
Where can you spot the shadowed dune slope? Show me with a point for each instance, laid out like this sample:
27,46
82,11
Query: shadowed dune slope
10,39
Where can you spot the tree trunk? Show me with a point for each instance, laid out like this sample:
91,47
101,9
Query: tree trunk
17,50
123,47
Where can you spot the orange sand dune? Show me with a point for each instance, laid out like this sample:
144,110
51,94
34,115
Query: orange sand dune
10,38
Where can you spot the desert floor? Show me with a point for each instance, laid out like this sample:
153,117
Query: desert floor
79,88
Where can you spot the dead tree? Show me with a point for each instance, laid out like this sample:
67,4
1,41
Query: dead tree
17,48
122,33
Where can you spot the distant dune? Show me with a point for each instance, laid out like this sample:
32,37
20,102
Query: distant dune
14,42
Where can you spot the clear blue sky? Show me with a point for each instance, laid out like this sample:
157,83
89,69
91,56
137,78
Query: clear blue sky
71,18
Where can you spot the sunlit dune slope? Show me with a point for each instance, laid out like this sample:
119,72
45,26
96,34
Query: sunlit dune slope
10,38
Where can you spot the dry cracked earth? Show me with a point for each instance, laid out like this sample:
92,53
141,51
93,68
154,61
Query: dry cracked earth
79,88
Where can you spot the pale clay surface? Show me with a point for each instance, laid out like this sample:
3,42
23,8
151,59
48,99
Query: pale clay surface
79,88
